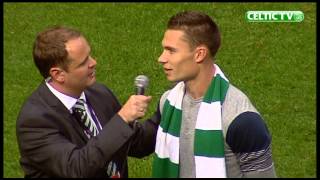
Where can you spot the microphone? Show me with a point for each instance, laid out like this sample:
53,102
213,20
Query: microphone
141,82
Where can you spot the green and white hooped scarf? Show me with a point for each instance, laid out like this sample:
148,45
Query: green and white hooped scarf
208,140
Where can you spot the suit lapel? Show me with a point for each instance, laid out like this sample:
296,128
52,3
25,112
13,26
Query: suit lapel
60,109
95,104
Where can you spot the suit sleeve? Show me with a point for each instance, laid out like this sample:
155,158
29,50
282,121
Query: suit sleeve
144,141
140,136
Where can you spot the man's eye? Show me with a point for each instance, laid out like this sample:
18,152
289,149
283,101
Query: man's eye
172,51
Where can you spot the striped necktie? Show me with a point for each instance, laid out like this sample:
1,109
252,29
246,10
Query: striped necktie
85,121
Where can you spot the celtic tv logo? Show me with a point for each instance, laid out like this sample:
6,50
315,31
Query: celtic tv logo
274,16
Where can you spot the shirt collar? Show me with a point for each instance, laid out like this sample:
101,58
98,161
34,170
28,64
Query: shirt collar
66,100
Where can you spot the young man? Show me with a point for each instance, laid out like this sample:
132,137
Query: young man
209,128
72,126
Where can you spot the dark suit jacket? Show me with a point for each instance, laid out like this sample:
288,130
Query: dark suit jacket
52,143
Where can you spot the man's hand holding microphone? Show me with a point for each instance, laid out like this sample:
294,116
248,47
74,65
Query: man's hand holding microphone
137,105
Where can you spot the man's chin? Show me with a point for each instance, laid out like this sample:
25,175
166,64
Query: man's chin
91,82
172,79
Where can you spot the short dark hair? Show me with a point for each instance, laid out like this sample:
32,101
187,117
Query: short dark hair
49,48
199,29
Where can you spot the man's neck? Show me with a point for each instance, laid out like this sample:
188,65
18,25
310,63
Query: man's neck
199,85
64,90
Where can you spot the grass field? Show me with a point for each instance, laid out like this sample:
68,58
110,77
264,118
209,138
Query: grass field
273,63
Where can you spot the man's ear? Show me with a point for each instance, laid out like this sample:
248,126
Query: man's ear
57,74
201,53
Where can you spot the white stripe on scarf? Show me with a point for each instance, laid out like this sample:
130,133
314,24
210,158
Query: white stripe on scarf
167,145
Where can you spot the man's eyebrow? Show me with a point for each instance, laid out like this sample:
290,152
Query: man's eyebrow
169,48
84,61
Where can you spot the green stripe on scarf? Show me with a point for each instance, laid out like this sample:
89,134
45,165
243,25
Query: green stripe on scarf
216,91
172,127
165,165
208,140
202,146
